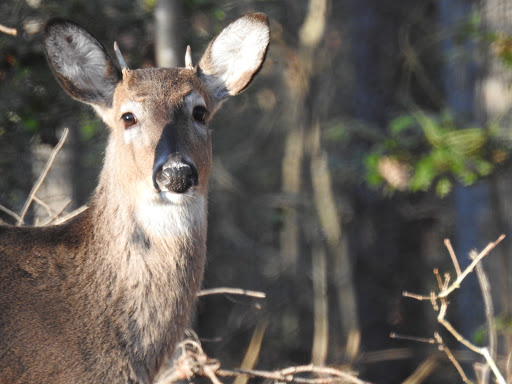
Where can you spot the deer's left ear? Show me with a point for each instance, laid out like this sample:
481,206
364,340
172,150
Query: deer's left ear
80,63
235,56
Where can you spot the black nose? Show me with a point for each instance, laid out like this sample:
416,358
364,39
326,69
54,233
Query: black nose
176,176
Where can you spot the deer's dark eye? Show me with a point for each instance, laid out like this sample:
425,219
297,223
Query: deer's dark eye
129,119
200,114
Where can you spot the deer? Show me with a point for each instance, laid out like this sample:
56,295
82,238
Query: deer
106,296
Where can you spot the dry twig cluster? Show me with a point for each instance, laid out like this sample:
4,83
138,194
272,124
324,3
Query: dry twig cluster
193,362
439,301
53,218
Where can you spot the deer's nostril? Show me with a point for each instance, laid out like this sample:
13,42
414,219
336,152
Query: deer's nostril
177,177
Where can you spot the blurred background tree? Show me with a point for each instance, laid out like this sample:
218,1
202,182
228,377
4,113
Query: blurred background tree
376,129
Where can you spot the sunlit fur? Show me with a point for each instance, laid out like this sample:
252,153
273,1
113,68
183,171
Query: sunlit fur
105,297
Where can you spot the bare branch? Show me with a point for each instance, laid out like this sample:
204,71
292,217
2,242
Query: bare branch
9,212
70,215
57,214
446,290
43,175
193,362
231,291
8,31
438,278
211,373
485,288
423,371
253,350
394,335
417,297
287,375
494,367
508,367
469,269
452,358
447,279
448,245
44,205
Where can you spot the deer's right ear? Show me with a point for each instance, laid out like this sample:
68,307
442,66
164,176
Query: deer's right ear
80,63
235,56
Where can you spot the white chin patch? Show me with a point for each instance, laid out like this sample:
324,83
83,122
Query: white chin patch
176,198
173,214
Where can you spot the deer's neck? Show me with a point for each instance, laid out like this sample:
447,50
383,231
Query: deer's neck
154,255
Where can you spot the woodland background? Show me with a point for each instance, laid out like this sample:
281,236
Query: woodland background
375,130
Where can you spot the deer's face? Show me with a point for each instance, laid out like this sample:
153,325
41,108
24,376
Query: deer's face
159,123
159,151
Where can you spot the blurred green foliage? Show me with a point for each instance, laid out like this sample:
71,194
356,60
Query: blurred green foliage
502,325
473,29
434,152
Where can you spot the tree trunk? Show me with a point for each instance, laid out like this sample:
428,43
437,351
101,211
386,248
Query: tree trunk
170,50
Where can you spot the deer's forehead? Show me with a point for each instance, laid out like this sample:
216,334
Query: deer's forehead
156,86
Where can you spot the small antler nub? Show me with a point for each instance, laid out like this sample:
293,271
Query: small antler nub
188,58
120,58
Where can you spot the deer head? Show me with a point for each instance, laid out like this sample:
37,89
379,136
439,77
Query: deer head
159,152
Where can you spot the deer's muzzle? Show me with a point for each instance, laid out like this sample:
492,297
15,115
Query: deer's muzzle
176,176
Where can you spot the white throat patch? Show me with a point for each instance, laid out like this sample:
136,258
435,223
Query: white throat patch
173,215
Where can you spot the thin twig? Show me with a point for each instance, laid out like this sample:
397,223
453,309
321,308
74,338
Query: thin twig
43,175
416,296
433,301
423,371
449,327
412,338
287,375
448,245
508,367
70,215
452,358
8,31
494,367
211,375
469,269
231,291
485,288
194,362
438,278
9,212
446,282
253,350
44,205
57,214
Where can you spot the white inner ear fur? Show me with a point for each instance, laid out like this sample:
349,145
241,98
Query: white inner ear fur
85,65
239,49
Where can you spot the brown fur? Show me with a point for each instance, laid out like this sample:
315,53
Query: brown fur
105,297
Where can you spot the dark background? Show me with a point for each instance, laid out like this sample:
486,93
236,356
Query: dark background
375,130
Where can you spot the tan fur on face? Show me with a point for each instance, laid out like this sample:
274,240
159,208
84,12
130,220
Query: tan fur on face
157,92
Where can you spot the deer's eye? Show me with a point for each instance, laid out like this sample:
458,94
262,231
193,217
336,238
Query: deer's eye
200,114
128,119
